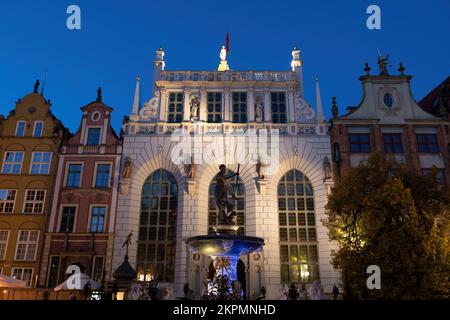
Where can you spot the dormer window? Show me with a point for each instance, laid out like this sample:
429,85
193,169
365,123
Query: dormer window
93,137
388,100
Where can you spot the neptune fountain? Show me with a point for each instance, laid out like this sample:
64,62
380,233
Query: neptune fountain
225,247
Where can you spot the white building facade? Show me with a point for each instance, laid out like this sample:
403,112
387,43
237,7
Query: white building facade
173,146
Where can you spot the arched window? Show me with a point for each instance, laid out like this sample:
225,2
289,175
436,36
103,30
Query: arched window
239,204
157,228
298,240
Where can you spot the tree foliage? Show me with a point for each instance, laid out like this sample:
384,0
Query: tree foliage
382,213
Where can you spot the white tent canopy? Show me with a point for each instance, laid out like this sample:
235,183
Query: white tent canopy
8,282
77,281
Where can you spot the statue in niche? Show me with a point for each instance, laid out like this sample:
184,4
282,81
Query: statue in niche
327,168
227,214
259,109
127,168
124,183
260,170
191,169
195,106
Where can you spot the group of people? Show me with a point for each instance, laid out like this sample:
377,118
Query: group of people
315,292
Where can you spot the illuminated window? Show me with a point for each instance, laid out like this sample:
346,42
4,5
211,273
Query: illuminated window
34,201
298,239
24,274
7,200
175,114
4,236
97,269
157,228
27,245
238,202
13,162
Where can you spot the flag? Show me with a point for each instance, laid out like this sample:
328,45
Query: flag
227,43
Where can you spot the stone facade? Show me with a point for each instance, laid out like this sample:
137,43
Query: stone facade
388,120
300,142
81,225
30,139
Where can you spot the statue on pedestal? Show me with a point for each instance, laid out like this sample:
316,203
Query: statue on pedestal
382,63
223,54
223,66
227,213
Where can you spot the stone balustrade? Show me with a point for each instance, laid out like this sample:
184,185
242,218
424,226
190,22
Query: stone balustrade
241,76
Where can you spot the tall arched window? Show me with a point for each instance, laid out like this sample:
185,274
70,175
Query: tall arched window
213,217
157,228
298,240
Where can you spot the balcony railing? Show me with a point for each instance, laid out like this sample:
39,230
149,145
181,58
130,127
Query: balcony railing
91,149
242,76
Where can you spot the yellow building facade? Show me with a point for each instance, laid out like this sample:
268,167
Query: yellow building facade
30,137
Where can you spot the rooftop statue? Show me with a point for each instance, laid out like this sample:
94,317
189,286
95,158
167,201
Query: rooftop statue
223,66
383,63
223,54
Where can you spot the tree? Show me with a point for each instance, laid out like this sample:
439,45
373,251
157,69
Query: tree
382,213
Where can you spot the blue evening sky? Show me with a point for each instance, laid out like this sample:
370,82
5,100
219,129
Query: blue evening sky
118,40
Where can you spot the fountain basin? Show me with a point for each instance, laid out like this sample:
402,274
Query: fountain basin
224,245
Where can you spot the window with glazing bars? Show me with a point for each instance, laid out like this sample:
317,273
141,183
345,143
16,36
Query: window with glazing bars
175,113
214,109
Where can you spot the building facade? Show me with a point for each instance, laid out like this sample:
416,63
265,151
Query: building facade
30,139
437,101
173,146
388,120
81,225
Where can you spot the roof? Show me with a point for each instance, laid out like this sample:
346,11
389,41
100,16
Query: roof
125,271
433,101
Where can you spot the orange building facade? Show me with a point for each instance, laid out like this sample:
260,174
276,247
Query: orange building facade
30,139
